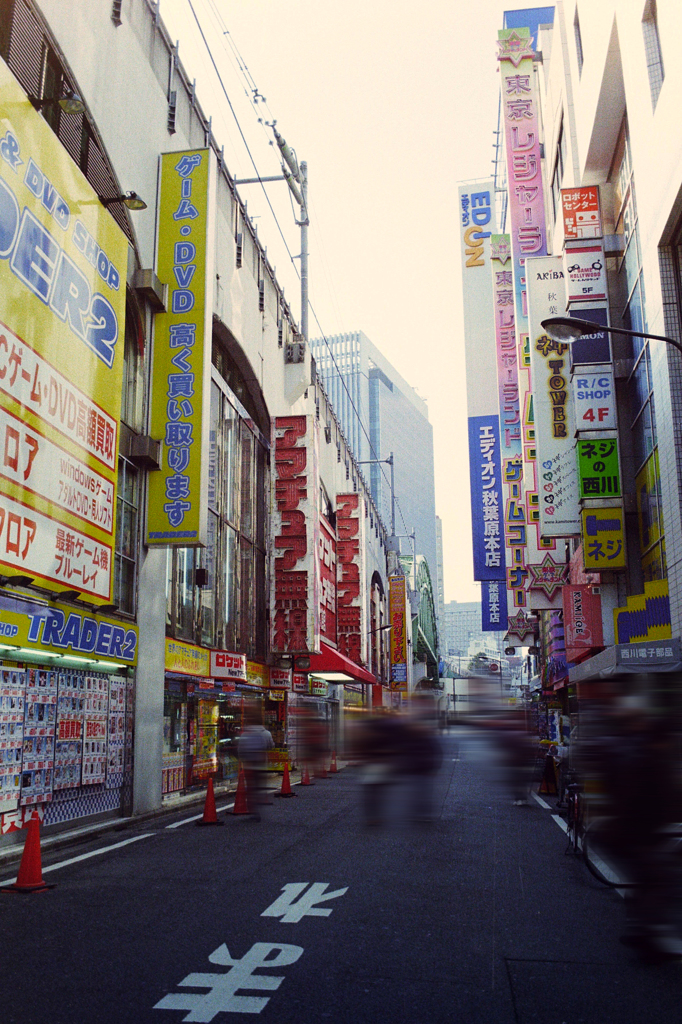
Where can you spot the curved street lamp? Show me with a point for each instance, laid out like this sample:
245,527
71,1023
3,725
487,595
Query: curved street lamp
568,328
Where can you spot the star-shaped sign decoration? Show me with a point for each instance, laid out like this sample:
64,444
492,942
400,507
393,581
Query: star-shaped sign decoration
521,625
515,47
548,576
500,250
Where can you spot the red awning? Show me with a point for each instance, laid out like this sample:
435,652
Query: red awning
332,661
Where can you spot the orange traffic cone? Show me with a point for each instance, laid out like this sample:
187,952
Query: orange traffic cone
305,777
320,771
286,784
30,877
241,805
332,767
210,817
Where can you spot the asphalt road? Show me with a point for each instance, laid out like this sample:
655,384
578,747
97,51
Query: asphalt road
476,917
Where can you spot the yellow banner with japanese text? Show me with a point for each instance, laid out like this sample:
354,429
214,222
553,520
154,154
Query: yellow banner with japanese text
63,265
181,375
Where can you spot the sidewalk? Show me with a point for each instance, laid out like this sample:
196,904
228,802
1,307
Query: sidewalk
57,840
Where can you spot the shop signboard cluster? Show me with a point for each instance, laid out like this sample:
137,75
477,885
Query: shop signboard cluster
181,372
62,309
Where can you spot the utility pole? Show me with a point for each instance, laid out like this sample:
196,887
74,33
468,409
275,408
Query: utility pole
294,176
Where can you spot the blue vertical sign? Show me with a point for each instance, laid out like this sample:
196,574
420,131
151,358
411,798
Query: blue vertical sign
494,607
487,513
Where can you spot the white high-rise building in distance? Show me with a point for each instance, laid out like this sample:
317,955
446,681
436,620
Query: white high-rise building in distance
381,413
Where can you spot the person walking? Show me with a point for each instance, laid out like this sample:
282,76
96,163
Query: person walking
252,749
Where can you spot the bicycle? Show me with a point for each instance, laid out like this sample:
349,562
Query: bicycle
584,838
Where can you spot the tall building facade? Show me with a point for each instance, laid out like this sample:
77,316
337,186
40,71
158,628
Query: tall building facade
381,413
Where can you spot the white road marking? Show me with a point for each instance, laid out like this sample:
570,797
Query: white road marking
291,912
195,817
543,803
86,856
560,822
222,988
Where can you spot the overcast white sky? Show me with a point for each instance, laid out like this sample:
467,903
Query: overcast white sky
391,103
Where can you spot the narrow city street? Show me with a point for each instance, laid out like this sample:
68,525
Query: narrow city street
309,915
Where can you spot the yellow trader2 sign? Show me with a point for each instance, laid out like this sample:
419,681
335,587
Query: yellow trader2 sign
178,495
63,264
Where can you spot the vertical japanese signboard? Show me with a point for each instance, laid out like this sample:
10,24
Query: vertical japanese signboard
603,531
181,374
295,600
477,222
397,611
553,412
326,570
511,440
494,607
351,578
486,497
63,263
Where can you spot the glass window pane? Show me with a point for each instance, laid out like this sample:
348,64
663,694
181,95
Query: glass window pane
639,386
169,589
185,559
231,463
262,494
125,585
216,455
208,592
247,618
247,480
230,581
641,436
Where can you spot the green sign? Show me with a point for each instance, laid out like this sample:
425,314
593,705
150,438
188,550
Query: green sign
598,468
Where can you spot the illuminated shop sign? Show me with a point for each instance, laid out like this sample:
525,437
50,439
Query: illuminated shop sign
38,629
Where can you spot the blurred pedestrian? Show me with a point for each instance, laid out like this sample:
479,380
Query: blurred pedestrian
421,758
379,749
252,748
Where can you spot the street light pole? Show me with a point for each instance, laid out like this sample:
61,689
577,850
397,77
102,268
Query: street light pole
566,329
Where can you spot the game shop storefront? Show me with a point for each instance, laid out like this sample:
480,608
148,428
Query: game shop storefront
67,692
209,696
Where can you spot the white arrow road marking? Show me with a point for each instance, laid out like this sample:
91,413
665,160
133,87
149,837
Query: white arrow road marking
291,912
221,997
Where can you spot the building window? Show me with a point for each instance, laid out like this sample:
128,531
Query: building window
125,556
217,595
642,424
558,174
652,50
578,42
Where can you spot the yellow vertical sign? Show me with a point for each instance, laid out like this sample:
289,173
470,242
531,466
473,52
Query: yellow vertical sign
181,378
604,538
397,611
63,263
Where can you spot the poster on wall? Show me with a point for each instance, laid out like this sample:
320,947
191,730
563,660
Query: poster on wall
68,749
62,309
40,716
12,693
116,731
96,710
